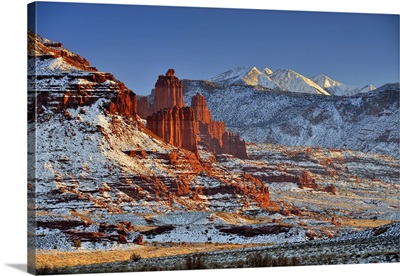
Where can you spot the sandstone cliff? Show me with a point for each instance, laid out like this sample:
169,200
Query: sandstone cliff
197,127
213,133
201,111
143,109
168,91
175,126
60,79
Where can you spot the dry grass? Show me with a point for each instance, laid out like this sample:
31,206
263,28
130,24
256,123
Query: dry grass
143,228
58,259
363,223
235,219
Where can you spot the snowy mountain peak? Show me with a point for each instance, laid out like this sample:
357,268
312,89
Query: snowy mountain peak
339,89
286,79
267,71
246,76
295,82
232,76
325,81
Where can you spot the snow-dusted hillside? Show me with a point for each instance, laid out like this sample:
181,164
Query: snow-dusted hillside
389,86
368,122
339,89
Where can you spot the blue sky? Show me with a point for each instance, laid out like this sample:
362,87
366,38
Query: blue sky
138,43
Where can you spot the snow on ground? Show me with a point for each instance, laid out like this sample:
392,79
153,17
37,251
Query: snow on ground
210,233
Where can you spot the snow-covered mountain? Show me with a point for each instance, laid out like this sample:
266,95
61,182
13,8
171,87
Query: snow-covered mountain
295,82
368,122
281,80
247,76
288,80
339,89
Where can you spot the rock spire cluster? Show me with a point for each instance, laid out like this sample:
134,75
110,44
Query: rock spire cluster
186,127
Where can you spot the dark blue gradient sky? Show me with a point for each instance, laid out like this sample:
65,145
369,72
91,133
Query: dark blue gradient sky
138,43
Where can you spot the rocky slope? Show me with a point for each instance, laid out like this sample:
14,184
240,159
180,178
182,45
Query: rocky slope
90,155
368,122
101,179
59,79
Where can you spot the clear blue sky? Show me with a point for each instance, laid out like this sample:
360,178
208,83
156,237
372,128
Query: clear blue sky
138,43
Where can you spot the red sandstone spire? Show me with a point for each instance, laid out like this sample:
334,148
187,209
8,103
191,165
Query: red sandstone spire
168,91
201,111
185,126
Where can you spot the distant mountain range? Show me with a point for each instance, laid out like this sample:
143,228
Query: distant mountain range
287,80
367,122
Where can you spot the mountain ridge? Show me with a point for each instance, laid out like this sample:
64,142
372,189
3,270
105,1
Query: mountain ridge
287,80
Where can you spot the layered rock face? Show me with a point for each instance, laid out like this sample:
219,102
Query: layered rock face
175,126
201,111
124,103
213,133
60,79
171,121
232,144
168,91
143,107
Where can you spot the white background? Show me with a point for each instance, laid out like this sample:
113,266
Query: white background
13,129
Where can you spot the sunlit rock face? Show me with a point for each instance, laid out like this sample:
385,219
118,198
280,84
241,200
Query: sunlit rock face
186,126
168,91
59,79
175,126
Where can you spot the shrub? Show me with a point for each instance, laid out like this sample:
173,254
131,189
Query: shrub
380,231
195,262
46,270
135,257
77,243
259,260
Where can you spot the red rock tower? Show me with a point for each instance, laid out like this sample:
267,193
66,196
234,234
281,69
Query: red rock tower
168,92
184,126
213,133
175,126
201,111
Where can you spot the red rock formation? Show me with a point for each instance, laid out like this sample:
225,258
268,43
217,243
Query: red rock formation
306,181
216,130
175,126
211,135
143,108
201,111
184,127
124,103
232,144
139,240
168,91
331,189
212,132
51,91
